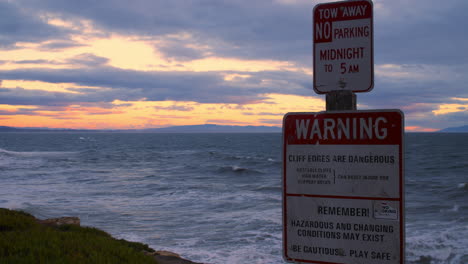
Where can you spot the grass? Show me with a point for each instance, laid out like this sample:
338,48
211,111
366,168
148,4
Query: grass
23,240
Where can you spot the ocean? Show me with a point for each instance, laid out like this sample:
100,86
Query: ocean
215,198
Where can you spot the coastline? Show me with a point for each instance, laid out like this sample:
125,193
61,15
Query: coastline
65,239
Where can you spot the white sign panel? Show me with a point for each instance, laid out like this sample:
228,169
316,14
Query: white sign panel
343,187
343,46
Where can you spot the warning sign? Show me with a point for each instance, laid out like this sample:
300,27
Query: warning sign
343,187
343,46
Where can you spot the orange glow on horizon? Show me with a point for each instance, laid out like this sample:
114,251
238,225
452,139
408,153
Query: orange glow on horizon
419,129
152,114
91,48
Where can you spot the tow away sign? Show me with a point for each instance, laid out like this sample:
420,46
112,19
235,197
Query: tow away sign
343,46
343,187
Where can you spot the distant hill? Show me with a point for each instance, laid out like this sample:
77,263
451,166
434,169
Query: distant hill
455,129
207,128
22,129
9,129
210,128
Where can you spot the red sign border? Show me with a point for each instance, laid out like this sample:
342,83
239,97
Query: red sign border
371,85
401,199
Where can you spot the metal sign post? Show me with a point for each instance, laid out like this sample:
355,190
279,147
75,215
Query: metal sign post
343,196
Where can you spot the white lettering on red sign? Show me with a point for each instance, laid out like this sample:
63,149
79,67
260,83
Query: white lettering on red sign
342,128
343,46
343,187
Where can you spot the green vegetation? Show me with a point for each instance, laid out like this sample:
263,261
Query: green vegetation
24,240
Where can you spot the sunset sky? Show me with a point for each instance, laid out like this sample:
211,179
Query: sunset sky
113,64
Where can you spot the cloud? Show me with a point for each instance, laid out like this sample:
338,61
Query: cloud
59,45
399,86
405,32
226,121
35,111
269,114
6,113
20,96
419,31
84,59
87,59
40,61
130,85
415,32
260,29
182,108
171,117
276,122
419,52
183,47
262,114
443,121
61,112
181,52
18,25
